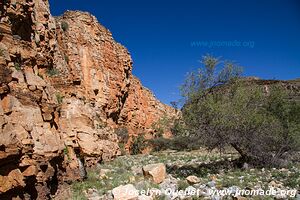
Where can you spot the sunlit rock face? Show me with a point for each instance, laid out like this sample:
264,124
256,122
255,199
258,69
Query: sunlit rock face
65,86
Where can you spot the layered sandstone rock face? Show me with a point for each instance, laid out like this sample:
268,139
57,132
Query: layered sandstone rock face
93,79
142,109
65,86
30,142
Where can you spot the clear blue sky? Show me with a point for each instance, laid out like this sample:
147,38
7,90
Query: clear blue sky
160,34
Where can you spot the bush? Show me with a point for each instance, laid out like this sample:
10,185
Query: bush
177,143
1,52
67,153
64,26
163,124
17,66
179,128
123,137
182,185
52,72
66,57
122,134
160,144
224,110
59,98
138,145
101,124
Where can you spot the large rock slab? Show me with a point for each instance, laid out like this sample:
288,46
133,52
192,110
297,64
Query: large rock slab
155,172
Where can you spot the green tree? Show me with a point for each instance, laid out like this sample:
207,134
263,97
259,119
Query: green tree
222,109
209,76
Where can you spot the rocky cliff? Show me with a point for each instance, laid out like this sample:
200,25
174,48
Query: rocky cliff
65,86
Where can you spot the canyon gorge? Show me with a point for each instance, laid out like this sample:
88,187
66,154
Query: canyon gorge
66,86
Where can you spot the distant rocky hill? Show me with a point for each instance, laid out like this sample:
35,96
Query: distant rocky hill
65,86
291,86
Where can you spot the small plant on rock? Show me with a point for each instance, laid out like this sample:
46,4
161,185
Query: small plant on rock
52,72
1,52
40,75
64,26
66,152
17,66
122,134
66,57
59,98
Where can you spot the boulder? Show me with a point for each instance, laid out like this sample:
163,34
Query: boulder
103,173
192,180
169,183
155,172
30,171
14,179
18,75
33,79
125,192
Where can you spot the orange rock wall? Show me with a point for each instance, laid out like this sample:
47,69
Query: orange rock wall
65,85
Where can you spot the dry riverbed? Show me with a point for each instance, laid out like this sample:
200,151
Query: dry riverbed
208,174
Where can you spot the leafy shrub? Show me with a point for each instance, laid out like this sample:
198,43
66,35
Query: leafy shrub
162,125
182,184
177,143
138,145
66,152
101,125
179,128
122,134
52,71
160,144
123,138
64,26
